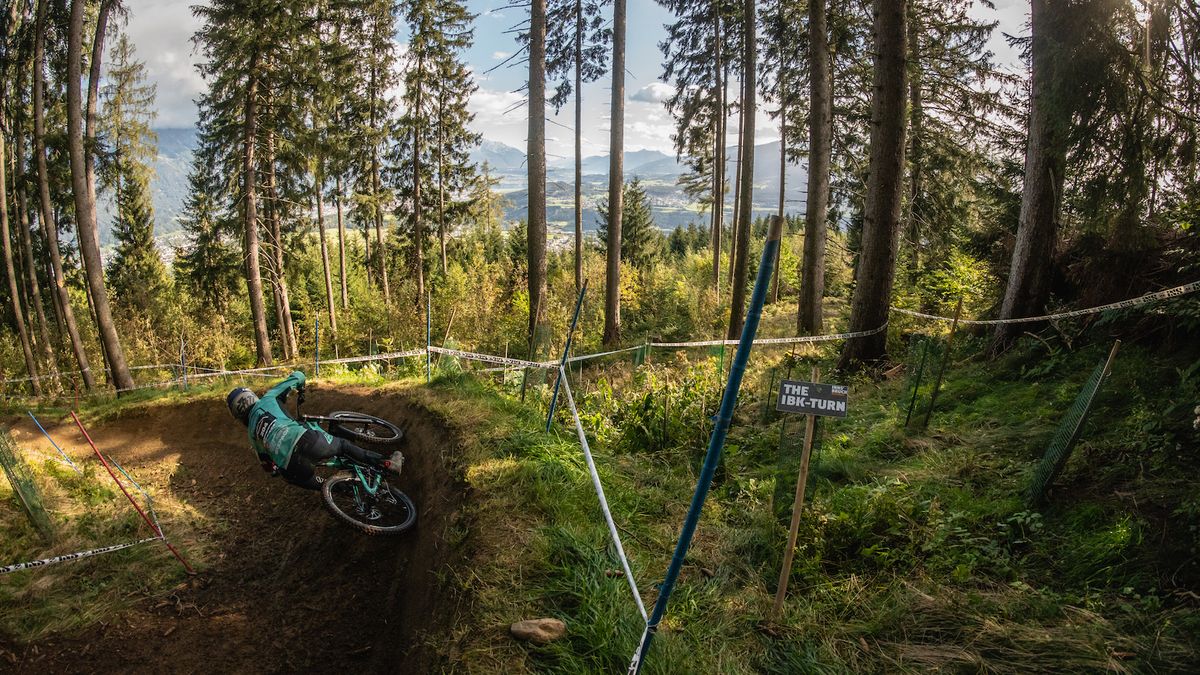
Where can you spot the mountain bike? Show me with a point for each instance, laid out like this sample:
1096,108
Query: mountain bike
358,493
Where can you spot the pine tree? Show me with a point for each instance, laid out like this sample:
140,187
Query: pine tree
641,241
85,202
877,264
431,156
741,243
136,272
616,158
207,265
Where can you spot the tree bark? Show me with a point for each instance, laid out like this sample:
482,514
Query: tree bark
810,317
276,258
85,206
782,185
337,201
737,187
262,341
26,239
746,180
441,170
418,226
1045,159
536,163
49,225
616,178
377,208
578,145
13,290
718,207
885,183
318,184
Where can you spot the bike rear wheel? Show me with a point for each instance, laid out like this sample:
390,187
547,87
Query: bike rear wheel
356,426
388,511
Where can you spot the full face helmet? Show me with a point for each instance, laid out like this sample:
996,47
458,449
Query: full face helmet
240,402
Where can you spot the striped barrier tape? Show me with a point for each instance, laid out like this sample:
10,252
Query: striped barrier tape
498,360
608,519
585,357
72,556
776,341
1124,304
377,357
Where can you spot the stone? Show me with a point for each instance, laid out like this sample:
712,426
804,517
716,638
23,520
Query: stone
540,631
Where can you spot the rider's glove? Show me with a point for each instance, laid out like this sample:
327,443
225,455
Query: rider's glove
300,395
270,467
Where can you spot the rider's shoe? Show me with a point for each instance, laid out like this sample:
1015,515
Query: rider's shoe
394,463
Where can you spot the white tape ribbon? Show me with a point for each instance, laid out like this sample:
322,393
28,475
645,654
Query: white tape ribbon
72,556
776,341
612,527
1124,304
488,358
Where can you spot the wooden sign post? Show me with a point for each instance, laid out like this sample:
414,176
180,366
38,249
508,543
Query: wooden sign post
813,399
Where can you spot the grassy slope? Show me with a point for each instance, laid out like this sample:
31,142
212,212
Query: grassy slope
916,551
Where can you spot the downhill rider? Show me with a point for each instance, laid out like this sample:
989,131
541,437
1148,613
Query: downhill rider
292,448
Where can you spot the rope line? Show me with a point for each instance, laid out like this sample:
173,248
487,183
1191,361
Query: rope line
1124,304
72,556
608,519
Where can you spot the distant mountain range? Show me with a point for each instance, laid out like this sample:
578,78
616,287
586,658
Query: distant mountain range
659,173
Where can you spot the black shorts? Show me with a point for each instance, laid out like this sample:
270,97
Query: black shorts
315,447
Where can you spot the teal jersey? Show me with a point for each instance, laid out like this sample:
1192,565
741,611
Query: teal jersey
272,431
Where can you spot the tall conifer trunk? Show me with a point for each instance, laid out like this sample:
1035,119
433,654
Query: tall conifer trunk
718,207
262,341
810,317
85,206
616,179
746,179
341,224
14,293
1041,200
885,184
578,145
318,185
49,225
536,163
26,242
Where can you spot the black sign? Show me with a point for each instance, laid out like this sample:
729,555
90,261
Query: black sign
827,400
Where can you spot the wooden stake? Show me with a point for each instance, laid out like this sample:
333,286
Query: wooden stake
797,507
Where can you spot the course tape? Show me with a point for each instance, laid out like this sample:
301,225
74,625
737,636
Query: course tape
488,358
585,357
73,556
776,341
608,519
1124,304
377,357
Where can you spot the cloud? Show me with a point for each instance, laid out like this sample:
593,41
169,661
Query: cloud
655,92
500,55
161,32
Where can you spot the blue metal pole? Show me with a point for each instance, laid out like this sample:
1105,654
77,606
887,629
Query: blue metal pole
60,450
566,350
428,338
716,442
317,363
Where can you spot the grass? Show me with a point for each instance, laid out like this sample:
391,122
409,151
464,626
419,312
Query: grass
88,511
916,550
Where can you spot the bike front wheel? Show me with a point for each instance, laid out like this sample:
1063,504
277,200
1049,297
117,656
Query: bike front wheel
356,426
388,511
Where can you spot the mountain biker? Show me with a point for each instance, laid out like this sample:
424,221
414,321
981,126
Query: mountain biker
291,448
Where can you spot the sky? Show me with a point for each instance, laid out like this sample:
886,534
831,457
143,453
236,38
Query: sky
162,31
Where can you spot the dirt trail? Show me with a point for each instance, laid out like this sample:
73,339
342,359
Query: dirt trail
288,588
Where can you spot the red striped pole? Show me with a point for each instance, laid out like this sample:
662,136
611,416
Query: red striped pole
154,528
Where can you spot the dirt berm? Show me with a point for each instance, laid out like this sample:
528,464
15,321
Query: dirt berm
287,588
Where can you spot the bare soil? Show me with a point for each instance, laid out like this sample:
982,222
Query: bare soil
287,587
